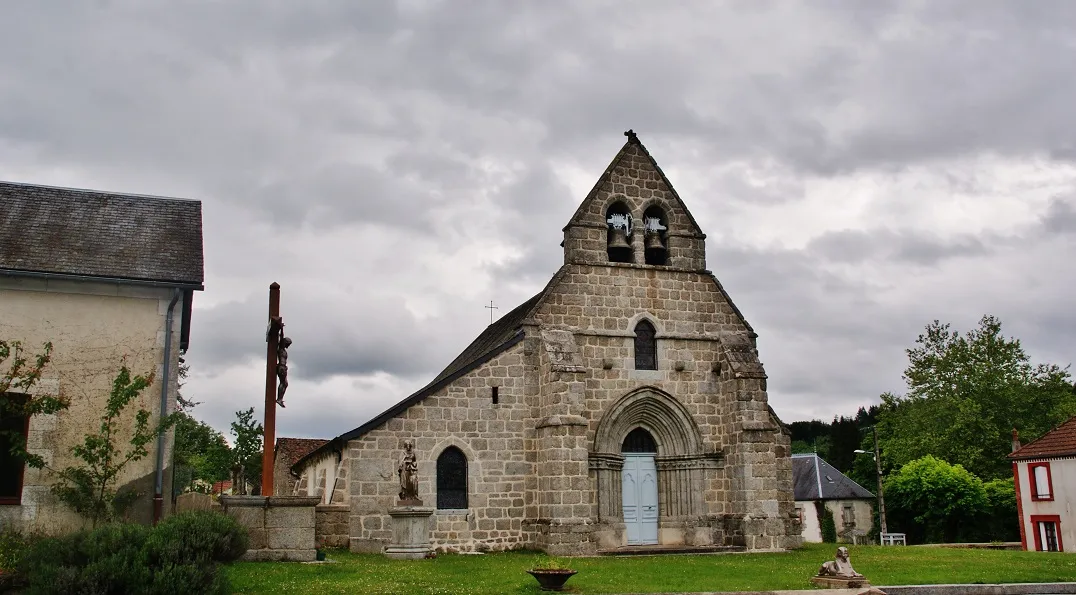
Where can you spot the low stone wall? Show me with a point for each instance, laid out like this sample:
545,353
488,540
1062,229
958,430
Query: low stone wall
331,525
195,501
280,527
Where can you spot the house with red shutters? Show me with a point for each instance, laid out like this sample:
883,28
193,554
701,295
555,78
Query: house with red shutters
1045,474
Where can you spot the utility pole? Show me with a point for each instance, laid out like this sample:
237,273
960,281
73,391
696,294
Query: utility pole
881,495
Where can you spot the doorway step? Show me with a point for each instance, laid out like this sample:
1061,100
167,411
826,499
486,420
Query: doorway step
660,550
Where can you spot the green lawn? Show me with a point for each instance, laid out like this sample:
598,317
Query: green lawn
505,572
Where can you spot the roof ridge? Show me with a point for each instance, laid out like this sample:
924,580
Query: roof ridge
93,191
1046,434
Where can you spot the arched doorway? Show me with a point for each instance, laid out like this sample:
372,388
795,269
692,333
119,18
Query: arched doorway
640,487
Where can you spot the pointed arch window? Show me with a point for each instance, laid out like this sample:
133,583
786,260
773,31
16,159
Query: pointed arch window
646,347
639,440
452,479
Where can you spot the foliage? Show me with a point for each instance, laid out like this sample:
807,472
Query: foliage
1000,522
183,403
550,563
88,488
247,435
965,395
106,560
932,501
834,441
505,572
828,525
13,546
197,537
180,555
201,454
20,374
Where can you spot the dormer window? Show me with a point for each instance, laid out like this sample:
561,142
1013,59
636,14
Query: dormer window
646,348
618,237
655,240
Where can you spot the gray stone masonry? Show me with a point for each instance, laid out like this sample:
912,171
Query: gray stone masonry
544,462
281,528
331,525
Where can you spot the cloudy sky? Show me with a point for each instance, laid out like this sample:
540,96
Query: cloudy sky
861,168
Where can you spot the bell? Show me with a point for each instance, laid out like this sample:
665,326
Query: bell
618,238
653,241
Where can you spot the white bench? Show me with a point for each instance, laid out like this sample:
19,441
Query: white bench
893,539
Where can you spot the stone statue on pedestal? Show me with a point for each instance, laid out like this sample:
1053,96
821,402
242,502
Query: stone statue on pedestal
408,472
839,574
840,567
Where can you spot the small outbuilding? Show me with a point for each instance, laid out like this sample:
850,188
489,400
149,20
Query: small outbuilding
820,486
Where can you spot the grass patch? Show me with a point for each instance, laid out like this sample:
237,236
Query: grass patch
496,574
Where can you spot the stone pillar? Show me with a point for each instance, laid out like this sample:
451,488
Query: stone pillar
281,528
410,533
562,459
607,474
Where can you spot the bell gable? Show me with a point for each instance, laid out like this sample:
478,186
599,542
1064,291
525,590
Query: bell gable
633,215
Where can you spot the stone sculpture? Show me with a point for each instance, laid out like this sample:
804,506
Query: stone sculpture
408,472
282,365
840,567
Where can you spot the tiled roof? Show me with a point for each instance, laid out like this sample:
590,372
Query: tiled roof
44,229
291,450
499,336
1058,442
835,485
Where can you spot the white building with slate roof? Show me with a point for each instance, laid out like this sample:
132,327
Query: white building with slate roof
623,406
104,277
820,485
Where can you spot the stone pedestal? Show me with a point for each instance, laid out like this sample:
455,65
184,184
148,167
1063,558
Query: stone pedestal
840,582
280,527
410,533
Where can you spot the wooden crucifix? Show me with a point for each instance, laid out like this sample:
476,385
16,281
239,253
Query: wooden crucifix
276,368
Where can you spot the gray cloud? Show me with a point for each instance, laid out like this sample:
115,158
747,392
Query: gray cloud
396,165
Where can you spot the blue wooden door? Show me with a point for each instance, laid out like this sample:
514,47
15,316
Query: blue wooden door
640,496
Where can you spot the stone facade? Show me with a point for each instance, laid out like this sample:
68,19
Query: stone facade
94,328
541,402
331,525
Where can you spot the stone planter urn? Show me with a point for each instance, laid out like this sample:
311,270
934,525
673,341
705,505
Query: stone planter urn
552,579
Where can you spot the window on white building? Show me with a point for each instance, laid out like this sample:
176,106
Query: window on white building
1041,482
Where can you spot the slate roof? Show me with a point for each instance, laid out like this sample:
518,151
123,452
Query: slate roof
46,229
499,336
291,450
835,485
1058,442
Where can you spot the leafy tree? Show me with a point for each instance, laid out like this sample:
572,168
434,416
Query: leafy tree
247,452
965,395
201,454
19,375
89,487
1001,522
932,501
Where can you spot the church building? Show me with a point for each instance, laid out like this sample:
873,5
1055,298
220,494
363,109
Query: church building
624,405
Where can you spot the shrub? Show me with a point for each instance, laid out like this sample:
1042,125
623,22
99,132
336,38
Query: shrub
106,560
828,526
197,536
12,548
180,555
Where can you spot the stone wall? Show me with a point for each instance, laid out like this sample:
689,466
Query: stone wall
280,527
331,525
94,328
492,438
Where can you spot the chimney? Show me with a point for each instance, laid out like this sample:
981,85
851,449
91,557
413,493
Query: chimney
1015,440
